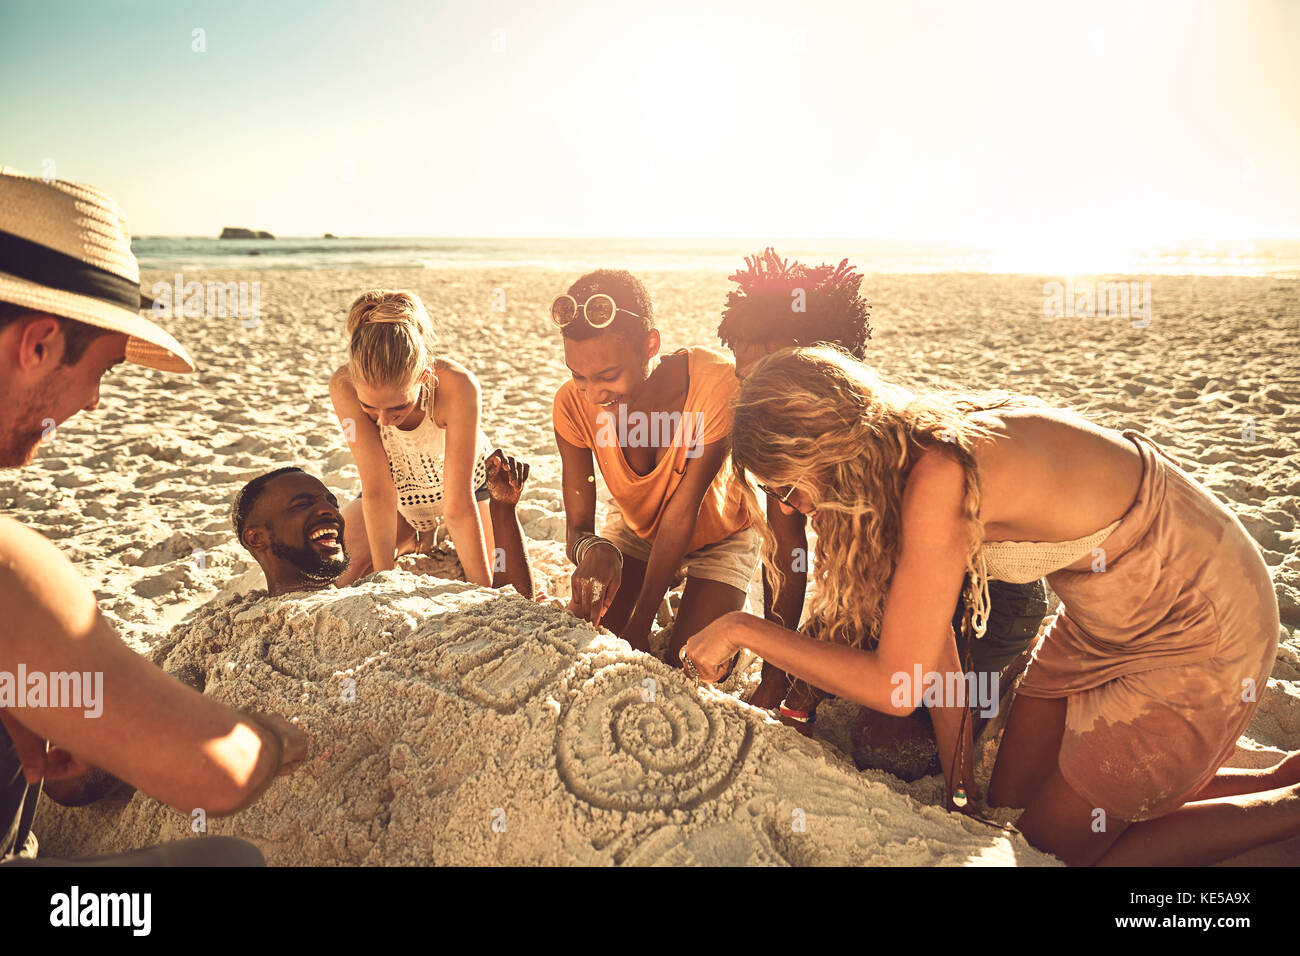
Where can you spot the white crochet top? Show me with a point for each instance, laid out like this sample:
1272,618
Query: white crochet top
1020,562
415,459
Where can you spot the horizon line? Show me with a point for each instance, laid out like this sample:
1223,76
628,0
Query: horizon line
1227,237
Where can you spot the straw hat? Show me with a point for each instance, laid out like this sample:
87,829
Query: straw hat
65,250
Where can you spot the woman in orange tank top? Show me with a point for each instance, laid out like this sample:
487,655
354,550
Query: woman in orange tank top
657,429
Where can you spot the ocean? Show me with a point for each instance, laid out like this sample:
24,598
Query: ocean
1258,257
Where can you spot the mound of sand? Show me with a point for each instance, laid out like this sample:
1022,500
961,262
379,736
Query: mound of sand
451,724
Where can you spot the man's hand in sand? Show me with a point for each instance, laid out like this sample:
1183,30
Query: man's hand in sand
506,477
595,582
293,742
39,763
69,780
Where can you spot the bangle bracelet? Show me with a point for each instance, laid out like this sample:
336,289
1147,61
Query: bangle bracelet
588,542
579,548
616,548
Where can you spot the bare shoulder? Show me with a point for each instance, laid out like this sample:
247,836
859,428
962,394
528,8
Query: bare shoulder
34,571
933,496
936,473
456,382
22,548
341,381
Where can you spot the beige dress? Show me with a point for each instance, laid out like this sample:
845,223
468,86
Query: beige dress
1162,650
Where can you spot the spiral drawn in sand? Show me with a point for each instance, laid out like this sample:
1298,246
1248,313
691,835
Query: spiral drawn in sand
621,748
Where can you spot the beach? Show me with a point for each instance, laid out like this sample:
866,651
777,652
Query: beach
138,493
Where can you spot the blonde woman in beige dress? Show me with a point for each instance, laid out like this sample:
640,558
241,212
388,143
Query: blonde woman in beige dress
1142,683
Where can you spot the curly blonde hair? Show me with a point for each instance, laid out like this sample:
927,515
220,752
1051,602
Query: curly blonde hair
391,338
818,419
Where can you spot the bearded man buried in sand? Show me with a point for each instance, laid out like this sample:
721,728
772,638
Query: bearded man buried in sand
292,525
69,311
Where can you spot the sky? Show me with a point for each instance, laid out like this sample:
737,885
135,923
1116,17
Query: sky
1016,124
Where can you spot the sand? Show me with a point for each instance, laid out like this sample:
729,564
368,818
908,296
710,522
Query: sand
485,703
481,728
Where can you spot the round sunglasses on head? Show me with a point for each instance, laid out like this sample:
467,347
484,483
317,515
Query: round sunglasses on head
598,311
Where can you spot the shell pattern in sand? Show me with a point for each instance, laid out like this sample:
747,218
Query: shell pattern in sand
451,724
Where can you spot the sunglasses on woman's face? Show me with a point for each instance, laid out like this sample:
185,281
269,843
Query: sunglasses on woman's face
784,499
598,311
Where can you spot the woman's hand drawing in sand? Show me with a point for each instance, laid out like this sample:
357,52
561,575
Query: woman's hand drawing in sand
596,581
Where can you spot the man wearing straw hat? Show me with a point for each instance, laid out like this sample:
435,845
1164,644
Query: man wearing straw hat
69,310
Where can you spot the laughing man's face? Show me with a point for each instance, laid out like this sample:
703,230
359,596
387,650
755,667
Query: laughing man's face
302,520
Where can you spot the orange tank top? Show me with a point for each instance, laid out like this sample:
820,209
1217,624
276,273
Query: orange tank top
705,418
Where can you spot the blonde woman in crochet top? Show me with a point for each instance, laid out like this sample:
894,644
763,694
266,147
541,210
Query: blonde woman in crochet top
1140,685
416,459
412,422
